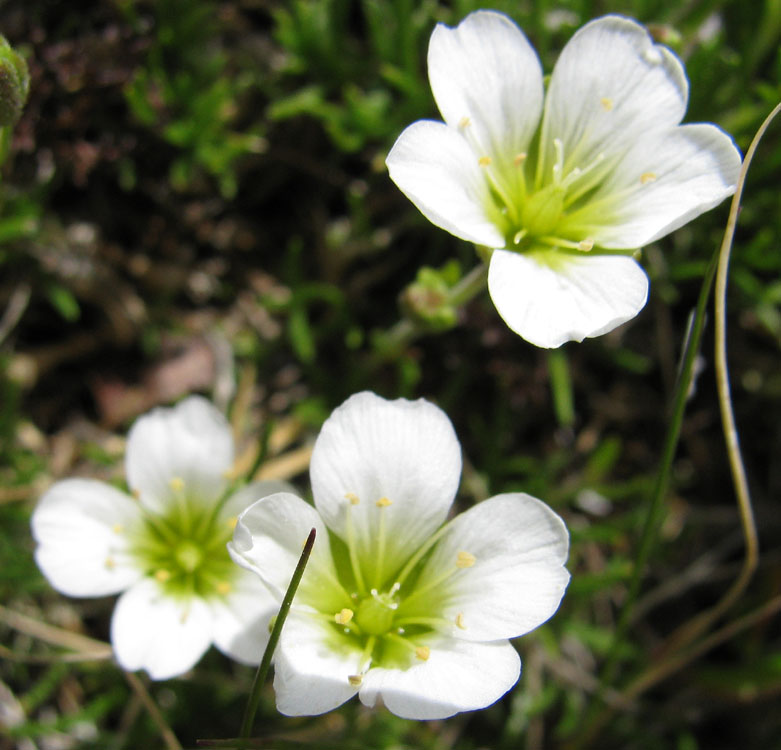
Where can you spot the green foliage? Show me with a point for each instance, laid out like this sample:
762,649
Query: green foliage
186,92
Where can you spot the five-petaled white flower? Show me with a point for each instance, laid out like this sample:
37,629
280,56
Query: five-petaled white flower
164,547
393,603
561,185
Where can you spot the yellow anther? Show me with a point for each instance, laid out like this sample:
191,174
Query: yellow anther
423,652
136,494
109,563
607,103
355,679
353,498
465,560
585,245
162,575
232,521
519,159
484,161
223,588
176,484
343,617
464,122
117,528
460,621
647,177
383,502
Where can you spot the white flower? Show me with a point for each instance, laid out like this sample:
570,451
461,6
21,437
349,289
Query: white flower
561,184
164,547
393,603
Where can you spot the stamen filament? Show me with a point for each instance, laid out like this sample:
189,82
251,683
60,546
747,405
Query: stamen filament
434,622
380,559
423,550
366,655
353,552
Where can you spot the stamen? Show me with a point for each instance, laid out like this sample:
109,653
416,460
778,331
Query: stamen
558,167
423,652
464,122
460,621
352,497
585,245
232,521
117,528
162,575
109,563
647,177
353,552
519,159
465,560
343,617
379,559
136,494
484,161
176,484
577,173
355,679
223,588
607,103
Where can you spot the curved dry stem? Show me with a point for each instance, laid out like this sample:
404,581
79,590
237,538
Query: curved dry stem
700,624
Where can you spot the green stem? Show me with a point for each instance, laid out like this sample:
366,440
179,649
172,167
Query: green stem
265,663
561,387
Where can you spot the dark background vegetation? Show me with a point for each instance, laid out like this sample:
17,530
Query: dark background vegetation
196,200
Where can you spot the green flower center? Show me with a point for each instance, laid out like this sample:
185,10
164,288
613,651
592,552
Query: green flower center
392,624
375,613
547,200
185,548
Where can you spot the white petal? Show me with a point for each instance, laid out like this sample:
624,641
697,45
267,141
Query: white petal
518,578
665,182
310,675
486,71
241,618
268,540
610,83
370,449
437,170
83,528
457,676
549,298
166,636
240,500
191,442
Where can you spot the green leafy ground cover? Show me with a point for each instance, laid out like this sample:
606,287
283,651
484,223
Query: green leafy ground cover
195,200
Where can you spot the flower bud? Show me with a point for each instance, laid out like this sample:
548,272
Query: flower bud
14,83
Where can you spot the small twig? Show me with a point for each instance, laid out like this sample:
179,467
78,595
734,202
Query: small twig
85,647
140,690
285,466
17,304
661,671
664,669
